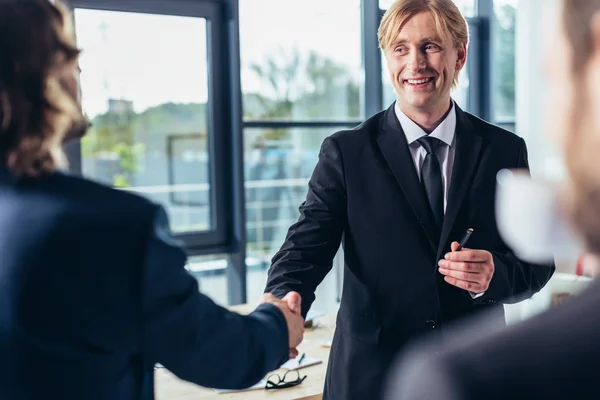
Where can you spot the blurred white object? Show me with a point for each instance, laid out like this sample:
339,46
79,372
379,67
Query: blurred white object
529,218
558,289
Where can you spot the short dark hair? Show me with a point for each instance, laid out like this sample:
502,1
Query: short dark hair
37,47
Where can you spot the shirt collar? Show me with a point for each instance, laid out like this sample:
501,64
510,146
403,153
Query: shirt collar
444,131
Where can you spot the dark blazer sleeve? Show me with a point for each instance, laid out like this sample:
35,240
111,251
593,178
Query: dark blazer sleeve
515,280
307,254
193,337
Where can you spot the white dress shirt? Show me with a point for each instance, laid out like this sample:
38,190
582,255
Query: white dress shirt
445,132
445,154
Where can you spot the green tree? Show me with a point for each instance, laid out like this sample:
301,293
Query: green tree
127,135
129,156
300,86
307,83
294,85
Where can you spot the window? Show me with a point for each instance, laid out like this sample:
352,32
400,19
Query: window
149,83
292,70
147,100
210,272
503,62
300,84
278,165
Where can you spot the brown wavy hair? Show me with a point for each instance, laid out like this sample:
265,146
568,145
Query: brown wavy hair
38,111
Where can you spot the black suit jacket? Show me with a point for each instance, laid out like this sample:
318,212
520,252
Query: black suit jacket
365,193
93,293
551,356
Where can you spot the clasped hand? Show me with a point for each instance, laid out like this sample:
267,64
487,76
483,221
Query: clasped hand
290,307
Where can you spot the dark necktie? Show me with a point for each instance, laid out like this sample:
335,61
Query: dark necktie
431,178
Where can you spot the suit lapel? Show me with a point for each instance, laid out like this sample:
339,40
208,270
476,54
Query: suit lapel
394,147
468,148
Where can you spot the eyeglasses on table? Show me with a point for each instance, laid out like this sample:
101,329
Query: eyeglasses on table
290,379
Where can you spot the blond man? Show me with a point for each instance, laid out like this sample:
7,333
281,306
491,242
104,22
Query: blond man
398,192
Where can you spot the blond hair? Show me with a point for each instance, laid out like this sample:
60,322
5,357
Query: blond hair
448,21
36,111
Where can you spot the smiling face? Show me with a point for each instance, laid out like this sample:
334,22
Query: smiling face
423,65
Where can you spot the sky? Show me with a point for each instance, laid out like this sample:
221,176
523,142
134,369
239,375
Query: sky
148,59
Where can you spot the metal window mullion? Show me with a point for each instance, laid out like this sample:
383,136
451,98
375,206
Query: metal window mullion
371,56
237,268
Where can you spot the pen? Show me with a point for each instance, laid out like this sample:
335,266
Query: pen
301,358
465,239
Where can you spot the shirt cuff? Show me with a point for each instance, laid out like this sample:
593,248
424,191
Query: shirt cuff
476,295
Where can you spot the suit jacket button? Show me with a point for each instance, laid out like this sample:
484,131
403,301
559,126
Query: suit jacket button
430,324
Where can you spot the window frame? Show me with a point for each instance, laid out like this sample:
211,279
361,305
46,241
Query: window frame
218,237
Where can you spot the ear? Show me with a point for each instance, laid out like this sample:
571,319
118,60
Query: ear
461,59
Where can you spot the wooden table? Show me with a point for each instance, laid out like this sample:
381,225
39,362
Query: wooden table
169,387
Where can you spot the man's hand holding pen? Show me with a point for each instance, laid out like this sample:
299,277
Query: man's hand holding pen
467,269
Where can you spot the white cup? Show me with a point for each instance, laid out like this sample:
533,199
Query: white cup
529,218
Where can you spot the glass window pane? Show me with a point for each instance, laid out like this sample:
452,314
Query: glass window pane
467,7
210,272
503,64
278,165
145,88
301,60
460,93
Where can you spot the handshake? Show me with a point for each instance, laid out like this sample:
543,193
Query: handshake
290,307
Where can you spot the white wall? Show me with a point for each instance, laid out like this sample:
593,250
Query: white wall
535,18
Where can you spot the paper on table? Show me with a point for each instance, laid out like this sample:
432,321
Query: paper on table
259,385
313,315
306,362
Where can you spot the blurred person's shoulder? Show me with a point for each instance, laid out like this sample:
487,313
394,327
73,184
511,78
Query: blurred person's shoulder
95,195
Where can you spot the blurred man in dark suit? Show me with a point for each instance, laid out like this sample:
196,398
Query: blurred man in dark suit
554,355
93,289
